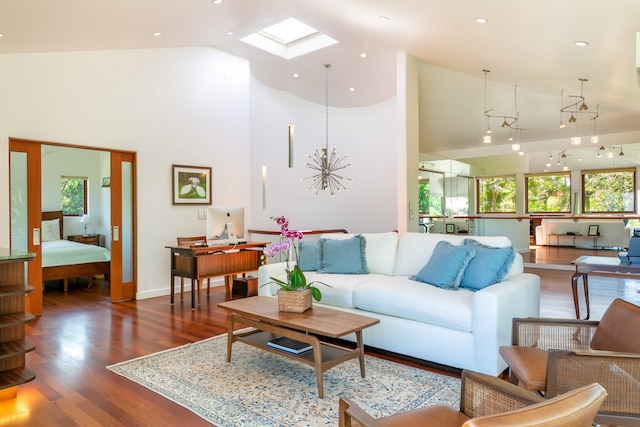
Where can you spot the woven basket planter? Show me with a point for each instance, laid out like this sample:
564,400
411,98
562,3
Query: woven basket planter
294,301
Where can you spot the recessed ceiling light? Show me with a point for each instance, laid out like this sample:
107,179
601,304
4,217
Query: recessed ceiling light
581,43
384,18
1,35
229,33
352,89
156,34
296,75
482,20
363,55
216,1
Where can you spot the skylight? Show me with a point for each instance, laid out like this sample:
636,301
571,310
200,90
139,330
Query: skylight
289,39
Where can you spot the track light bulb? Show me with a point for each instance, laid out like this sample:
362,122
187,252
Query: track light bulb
486,139
595,139
583,107
505,124
561,125
572,119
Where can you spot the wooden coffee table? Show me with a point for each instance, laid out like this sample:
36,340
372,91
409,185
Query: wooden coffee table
309,327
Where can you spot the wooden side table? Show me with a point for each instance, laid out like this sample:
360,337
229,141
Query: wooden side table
89,239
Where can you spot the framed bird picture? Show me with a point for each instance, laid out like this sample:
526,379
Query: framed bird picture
191,185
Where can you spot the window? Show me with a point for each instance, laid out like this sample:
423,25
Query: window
548,192
430,193
496,194
457,200
73,195
609,191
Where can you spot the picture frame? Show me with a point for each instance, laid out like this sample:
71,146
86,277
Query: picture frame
593,230
191,185
450,228
106,181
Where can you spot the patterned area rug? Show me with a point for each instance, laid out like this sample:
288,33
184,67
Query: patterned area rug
259,388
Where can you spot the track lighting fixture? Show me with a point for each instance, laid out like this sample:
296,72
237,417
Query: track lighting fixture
508,122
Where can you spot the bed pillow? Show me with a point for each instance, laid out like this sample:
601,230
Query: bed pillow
490,265
446,266
308,256
343,256
50,230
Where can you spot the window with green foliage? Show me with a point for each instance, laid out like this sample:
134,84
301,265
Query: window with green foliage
73,195
548,192
609,191
496,194
430,193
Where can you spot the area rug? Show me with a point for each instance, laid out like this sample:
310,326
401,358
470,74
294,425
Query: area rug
259,389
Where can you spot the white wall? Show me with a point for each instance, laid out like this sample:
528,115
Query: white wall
368,135
187,106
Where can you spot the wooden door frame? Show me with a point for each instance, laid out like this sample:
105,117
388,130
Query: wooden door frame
35,217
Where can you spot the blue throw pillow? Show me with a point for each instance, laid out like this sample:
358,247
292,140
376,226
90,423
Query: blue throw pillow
490,265
446,266
308,256
342,256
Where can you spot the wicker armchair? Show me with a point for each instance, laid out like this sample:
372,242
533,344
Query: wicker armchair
553,356
489,401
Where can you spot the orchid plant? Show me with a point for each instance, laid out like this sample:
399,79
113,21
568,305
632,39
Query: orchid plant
288,245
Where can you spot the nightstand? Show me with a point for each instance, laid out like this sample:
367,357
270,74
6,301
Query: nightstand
90,239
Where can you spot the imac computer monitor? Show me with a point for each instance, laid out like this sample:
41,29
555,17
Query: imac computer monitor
225,224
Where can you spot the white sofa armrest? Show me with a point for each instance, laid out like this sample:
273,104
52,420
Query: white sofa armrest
494,307
265,272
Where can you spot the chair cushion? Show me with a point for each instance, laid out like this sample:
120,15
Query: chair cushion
620,322
436,415
528,365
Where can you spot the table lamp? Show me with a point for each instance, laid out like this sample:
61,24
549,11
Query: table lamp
86,220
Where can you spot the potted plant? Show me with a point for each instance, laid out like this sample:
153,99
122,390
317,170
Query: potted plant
296,293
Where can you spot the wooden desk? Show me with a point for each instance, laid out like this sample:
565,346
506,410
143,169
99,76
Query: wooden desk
197,263
586,264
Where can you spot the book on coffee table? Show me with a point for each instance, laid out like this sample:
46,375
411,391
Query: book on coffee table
289,344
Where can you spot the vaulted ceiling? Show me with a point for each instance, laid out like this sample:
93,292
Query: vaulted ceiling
529,48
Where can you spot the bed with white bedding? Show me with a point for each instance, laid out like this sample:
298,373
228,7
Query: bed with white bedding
64,259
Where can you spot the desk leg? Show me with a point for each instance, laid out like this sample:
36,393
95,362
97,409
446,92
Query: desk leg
228,286
173,291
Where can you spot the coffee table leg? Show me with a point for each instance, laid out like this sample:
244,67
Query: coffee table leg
586,296
317,358
361,349
574,290
230,323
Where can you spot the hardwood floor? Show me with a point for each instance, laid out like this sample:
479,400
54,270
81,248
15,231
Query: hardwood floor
81,332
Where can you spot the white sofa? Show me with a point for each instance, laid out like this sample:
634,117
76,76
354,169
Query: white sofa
613,233
458,328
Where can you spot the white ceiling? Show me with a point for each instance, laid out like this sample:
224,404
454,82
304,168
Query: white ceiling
528,44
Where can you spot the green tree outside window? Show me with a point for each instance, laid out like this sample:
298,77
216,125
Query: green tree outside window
549,193
497,194
609,191
73,197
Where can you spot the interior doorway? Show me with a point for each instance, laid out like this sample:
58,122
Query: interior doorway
36,168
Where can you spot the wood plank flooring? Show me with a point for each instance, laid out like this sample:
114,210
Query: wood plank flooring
81,332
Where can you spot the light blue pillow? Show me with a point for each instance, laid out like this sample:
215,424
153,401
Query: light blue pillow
446,266
490,265
342,256
308,256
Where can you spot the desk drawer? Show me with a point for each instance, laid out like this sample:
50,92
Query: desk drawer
225,264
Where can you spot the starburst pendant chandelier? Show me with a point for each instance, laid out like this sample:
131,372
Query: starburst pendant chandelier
327,164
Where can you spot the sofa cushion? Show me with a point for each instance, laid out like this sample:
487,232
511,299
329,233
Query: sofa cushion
446,265
415,248
404,298
489,265
380,250
336,289
308,256
345,256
